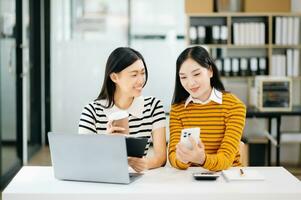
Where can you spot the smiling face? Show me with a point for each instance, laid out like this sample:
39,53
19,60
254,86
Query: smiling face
131,80
195,79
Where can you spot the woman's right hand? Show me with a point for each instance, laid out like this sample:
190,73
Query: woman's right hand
138,164
114,129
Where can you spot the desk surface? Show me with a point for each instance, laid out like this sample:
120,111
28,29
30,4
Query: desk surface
163,183
254,112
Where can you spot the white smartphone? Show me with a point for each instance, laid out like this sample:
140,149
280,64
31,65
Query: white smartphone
190,132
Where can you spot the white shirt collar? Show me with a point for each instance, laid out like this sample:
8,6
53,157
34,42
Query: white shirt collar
135,109
215,96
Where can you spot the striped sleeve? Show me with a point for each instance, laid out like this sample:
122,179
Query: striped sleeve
175,127
235,121
158,115
87,122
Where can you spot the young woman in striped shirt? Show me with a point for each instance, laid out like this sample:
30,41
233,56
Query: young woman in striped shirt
125,77
200,100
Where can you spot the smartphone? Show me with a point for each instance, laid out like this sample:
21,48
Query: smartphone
190,132
207,176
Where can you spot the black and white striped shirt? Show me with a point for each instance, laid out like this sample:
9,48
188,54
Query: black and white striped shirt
145,115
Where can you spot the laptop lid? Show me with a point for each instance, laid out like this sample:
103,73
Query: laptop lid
96,158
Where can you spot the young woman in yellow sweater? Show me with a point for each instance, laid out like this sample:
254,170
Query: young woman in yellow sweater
200,100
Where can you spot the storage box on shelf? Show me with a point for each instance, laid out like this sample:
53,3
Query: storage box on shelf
273,93
198,6
267,5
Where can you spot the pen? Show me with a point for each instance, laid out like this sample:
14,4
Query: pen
241,172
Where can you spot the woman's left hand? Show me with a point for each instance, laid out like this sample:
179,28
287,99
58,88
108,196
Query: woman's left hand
196,155
138,164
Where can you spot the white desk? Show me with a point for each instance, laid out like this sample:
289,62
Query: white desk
38,183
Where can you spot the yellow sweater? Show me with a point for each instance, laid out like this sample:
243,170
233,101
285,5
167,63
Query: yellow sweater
221,130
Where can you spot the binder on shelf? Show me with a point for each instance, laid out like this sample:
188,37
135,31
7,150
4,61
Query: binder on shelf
193,35
296,30
283,65
227,67
262,33
273,71
256,33
289,62
296,64
224,34
201,34
284,31
219,66
279,65
290,38
244,67
278,30
236,34
216,34
213,53
235,67
253,66
248,33
262,66
208,38
242,33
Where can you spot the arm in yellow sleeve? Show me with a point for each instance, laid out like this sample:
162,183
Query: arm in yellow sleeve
175,127
235,122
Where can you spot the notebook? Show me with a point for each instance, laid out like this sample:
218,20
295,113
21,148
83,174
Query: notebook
235,174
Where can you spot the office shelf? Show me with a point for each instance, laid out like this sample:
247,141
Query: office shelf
230,48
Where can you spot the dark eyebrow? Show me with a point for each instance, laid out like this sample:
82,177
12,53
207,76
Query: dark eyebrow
137,71
196,70
192,71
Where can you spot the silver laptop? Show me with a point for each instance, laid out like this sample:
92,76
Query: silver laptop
95,158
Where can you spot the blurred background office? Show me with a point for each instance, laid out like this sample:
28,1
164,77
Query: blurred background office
53,55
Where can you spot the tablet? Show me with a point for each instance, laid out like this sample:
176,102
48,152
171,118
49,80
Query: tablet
135,146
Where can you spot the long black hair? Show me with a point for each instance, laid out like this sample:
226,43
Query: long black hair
202,57
118,60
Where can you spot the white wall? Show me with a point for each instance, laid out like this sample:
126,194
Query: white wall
159,18
77,64
160,56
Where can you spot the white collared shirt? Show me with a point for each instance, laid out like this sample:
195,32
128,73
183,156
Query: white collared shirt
135,109
216,96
